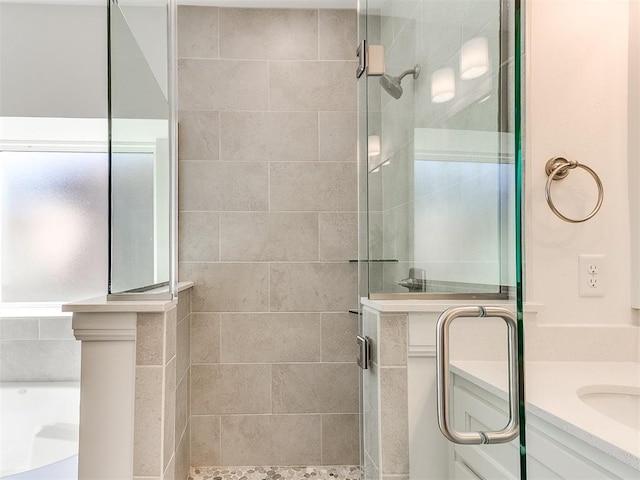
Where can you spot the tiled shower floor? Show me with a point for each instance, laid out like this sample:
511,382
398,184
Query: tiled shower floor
347,472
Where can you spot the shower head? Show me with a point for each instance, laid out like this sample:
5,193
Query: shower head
392,84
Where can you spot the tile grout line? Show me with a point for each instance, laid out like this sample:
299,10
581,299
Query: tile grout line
219,339
218,32
268,86
219,236
319,234
220,437
321,349
321,442
271,390
219,136
318,35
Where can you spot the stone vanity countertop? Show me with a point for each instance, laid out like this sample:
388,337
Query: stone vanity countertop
551,390
101,304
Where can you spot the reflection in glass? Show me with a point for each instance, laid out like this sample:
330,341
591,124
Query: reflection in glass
474,58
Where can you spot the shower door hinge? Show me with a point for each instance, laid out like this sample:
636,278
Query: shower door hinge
364,352
375,60
361,53
370,59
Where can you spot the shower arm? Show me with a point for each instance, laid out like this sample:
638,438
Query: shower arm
415,71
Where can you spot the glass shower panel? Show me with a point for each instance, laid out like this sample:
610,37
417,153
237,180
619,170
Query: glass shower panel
141,193
440,163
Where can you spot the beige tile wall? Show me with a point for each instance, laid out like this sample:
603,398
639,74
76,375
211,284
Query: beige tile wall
267,226
385,409
162,410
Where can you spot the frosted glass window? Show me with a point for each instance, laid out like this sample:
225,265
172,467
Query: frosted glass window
53,219
133,229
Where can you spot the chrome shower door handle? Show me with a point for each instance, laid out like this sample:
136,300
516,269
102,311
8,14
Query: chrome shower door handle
512,429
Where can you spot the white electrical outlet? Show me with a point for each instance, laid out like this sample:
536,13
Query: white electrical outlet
591,279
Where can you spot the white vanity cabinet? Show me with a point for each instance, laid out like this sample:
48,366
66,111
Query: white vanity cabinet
553,451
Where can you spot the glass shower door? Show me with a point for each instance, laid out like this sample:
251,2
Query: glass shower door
142,151
440,170
441,149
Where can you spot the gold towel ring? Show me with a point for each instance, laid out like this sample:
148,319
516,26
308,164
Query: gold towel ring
558,168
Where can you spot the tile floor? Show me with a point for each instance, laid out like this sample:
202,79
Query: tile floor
346,472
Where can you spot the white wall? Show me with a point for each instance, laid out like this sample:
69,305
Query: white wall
53,60
577,105
634,146
148,24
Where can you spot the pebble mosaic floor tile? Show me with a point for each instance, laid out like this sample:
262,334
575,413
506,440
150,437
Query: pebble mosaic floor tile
275,473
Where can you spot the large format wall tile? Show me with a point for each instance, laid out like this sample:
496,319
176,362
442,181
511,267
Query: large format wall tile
223,85
340,434
279,136
393,343
269,236
184,304
149,339
54,328
394,423
228,287
315,388
197,32
170,329
313,287
18,328
182,417
198,137
183,334
338,235
271,440
313,186
205,338
205,441
204,246
183,455
339,332
253,33
337,31
220,186
270,337
169,413
319,86
147,421
337,135
39,360
225,389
